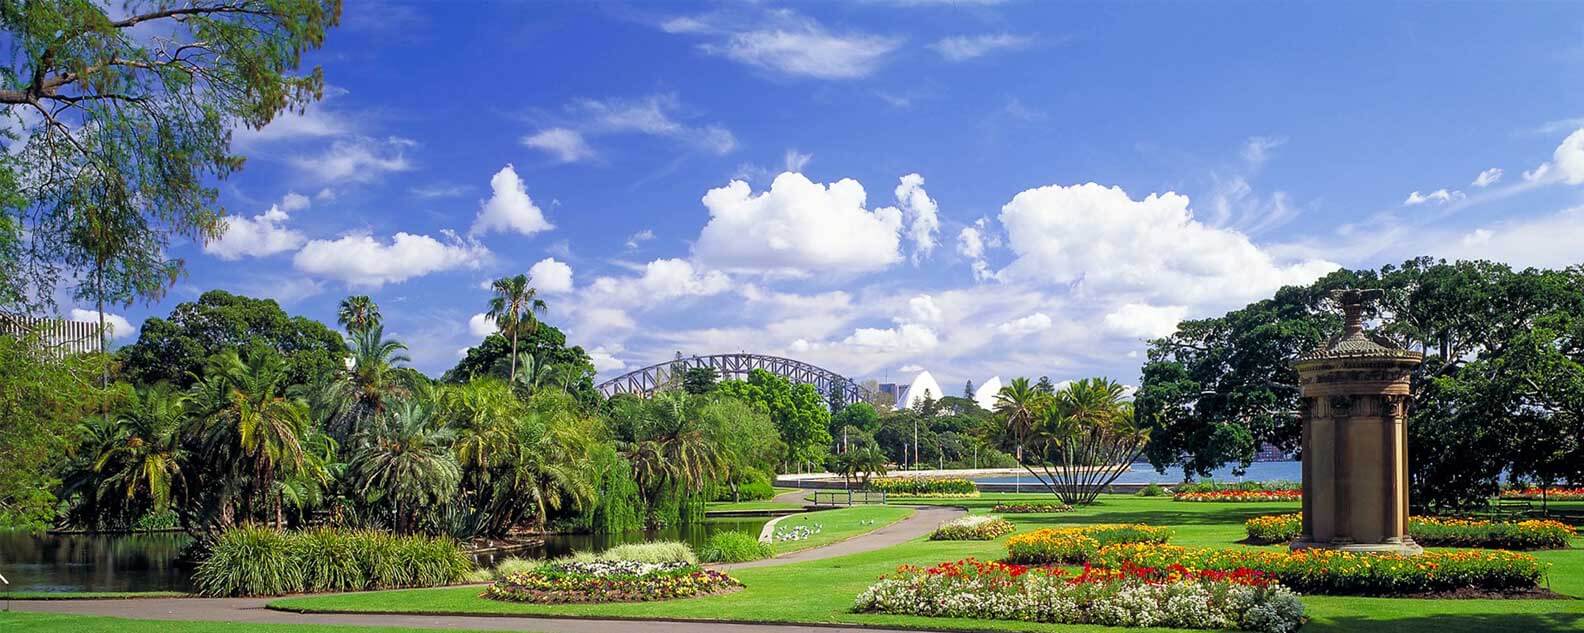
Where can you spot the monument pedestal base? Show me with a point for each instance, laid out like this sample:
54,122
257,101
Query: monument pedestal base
1406,546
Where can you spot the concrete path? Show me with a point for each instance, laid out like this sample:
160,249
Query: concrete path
253,610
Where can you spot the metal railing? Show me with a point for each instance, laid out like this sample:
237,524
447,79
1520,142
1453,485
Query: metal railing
849,497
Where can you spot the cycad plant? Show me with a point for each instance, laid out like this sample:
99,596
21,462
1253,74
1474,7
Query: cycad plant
404,460
1085,440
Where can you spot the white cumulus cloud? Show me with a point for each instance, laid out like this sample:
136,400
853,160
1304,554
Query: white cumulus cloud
1566,165
551,276
509,209
357,160
921,212
802,47
358,259
604,358
1488,177
923,309
905,338
1108,242
1037,322
797,227
259,236
480,325
1439,196
1140,320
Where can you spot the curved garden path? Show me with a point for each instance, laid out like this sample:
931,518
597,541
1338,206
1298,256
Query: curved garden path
254,610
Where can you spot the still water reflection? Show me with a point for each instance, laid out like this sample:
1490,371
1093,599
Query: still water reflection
153,562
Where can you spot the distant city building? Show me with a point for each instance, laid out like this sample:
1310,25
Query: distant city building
1269,453
910,394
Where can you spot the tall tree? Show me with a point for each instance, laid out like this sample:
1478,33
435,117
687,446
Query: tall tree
404,462
513,308
42,401
174,349
358,313
124,123
1019,405
371,381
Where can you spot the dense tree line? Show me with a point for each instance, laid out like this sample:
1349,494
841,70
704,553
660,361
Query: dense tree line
1501,388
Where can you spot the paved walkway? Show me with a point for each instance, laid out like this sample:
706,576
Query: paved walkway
253,610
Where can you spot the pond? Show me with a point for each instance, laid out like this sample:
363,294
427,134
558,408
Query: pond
153,561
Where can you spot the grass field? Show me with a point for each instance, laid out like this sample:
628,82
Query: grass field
822,591
839,524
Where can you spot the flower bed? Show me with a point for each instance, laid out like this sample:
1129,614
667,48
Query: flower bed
570,581
1030,508
1536,494
1345,573
1130,596
926,486
1077,545
980,527
1240,495
1438,532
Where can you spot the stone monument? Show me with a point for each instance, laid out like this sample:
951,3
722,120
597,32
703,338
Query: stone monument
1354,391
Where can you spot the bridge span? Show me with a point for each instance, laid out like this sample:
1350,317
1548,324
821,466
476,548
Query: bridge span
837,389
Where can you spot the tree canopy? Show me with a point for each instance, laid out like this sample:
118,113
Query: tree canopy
174,349
798,411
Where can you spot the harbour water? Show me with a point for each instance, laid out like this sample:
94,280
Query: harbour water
1142,473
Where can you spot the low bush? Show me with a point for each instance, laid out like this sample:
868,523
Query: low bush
1537,494
1127,597
567,581
259,561
1437,532
979,527
734,547
1152,490
926,486
1334,572
1078,544
1238,496
1030,508
656,552
1211,485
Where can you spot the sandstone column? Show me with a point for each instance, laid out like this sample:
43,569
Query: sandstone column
1355,438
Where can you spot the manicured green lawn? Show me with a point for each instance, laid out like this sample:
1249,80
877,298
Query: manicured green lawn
57,623
740,506
839,524
822,591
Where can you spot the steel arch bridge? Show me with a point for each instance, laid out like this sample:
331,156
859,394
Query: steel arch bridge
839,391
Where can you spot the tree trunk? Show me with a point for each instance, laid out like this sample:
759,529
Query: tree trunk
513,379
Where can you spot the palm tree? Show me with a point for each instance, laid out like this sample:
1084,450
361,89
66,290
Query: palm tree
270,427
513,308
405,458
144,453
366,388
1019,404
358,313
550,464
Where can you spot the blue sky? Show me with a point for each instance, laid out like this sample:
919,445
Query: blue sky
976,188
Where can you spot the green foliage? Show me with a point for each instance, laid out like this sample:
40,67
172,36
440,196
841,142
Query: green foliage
174,350
1499,389
734,547
127,133
700,380
655,552
1152,490
514,566
1211,485
405,463
40,405
799,413
1437,532
258,561
547,345
926,486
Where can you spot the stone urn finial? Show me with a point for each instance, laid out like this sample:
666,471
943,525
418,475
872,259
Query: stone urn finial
1353,303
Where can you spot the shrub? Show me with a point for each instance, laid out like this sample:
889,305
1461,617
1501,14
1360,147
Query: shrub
755,491
1078,545
1230,496
258,561
1536,494
249,561
979,527
609,581
1437,532
513,566
926,486
1030,508
1152,490
1128,597
1211,485
657,552
734,547
1334,572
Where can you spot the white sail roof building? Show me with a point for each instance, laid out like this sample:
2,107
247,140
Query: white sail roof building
915,392
986,393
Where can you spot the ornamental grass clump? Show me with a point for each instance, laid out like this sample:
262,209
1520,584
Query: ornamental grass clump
598,581
1129,596
1438,532
925,486
656,552
1333,572
259,561
1030,508
1079,544
734,547
979,527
